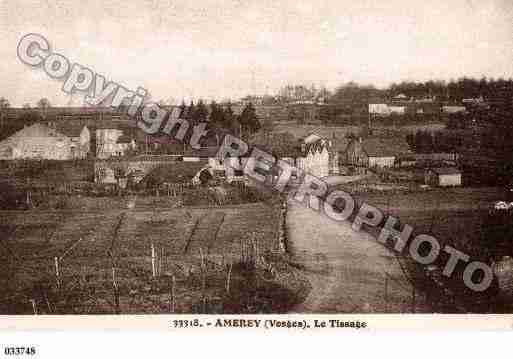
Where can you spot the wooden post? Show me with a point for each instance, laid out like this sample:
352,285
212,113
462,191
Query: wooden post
228,278
48,304
172,294
57,275
153,269
114,277
116,292
202,259
34,308
386,292
161,259
203,273
413,299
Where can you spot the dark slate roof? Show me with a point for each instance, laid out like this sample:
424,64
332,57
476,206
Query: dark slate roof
176,172
446,170
69,128
124,139
385,147
316,146
339,144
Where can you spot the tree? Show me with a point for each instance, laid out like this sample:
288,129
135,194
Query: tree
183,110
249,120
201,113
189,115
231,121
354,94
4,105
216,118
44,104
267,128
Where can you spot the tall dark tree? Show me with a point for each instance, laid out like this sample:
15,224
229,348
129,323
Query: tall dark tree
249,120
191,110
183,110
231,121
4,105
200,113
216,117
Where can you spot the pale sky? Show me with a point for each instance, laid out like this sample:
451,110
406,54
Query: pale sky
214,49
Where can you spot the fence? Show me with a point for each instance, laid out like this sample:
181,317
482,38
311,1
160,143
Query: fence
163,265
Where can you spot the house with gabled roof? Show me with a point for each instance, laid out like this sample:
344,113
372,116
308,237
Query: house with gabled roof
443,176
375,152
319,155
43,141
79,134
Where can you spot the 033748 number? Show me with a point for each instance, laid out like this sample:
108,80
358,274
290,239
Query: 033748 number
19,350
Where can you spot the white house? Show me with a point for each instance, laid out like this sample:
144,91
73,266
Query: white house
79,134
375,152
315,158
379,109
400,110
454,109
111,142
40,141
443,177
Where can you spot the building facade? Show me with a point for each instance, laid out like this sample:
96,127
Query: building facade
443,177
375,152
41,141
111,142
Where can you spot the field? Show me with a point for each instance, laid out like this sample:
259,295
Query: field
186,260
454,217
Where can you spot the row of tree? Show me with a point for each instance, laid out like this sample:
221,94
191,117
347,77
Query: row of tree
434,142
454,90
221,117
43,103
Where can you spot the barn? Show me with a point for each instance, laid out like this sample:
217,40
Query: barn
37,141
375,152
443,177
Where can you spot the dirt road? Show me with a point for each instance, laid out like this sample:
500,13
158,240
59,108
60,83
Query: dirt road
350,272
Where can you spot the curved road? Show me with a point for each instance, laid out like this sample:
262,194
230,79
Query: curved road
350,272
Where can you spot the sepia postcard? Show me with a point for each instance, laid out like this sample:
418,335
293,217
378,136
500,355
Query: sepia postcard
260,165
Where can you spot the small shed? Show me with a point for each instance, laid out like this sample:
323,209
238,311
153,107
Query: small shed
443,177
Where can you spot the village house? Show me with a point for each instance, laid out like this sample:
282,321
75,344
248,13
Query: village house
79,134
417,107
45,141
111,142
453,109
363,154
443,177
429,159
315,158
